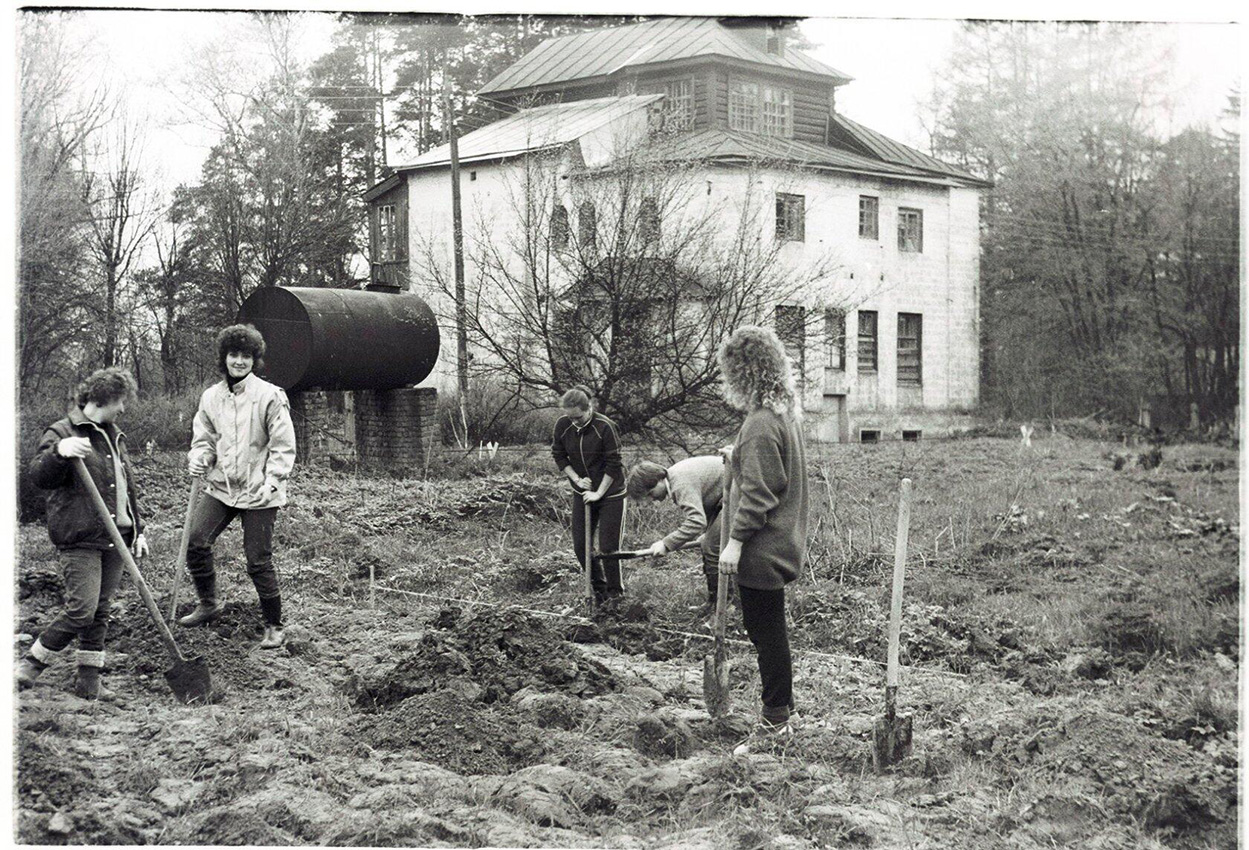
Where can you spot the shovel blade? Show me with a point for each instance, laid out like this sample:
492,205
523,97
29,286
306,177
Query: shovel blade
891,740
716,684
189,681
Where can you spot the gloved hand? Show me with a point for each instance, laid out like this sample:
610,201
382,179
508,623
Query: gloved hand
73,447
657,549
139,547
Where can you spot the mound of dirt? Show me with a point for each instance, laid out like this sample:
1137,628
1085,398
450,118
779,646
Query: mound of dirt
465,738
495,653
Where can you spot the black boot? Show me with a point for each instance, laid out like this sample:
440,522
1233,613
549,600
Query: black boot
208,608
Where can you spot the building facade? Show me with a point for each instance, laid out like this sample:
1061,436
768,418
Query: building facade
886,335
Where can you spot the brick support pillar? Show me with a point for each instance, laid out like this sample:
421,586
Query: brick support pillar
396,429
321,429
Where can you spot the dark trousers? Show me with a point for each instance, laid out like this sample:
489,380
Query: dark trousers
711,553
763,614
210,518
91,579
607,517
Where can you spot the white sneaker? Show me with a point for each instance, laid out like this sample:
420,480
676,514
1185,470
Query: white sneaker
274,637
763,736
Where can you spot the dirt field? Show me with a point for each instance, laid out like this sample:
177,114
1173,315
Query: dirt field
1071,631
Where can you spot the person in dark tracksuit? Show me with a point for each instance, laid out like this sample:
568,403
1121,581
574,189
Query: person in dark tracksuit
91,564
586,448
767,511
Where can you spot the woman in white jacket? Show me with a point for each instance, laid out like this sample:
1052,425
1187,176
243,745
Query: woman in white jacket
243,444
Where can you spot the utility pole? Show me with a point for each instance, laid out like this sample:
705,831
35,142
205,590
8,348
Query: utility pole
457,236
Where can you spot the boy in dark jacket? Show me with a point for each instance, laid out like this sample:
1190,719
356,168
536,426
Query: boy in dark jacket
92,565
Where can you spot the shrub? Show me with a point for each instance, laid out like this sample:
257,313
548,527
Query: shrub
494,414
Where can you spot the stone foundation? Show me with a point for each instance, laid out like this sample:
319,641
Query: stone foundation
396,429
324,426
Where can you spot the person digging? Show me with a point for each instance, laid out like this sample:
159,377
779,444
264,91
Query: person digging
694,485
90,562
243,445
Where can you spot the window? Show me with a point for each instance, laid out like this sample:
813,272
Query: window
790,217
791,329
867,341
869,217
678,108
869,436
912,436
778,112
910,230
744,106
587,225
748,101
648,221
559,228
910,340
835,338
386,232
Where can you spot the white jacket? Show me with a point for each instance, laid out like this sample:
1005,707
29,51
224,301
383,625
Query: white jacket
246,437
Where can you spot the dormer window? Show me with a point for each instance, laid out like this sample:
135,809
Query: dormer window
761,108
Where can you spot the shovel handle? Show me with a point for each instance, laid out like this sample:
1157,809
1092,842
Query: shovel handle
587,548
899,577
182,546
722,583
128,559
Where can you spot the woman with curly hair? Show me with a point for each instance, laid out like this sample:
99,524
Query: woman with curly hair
91,564
767,510
243,444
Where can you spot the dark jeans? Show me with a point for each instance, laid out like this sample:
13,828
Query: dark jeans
607,516
91,579
763,614
210,518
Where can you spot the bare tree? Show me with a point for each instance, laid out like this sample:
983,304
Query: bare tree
56,121
121,216
626,277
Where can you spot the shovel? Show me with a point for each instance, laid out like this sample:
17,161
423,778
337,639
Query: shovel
891,736
188,679
716,665
588,557
186,539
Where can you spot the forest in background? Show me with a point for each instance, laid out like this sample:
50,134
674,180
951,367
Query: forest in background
1110,246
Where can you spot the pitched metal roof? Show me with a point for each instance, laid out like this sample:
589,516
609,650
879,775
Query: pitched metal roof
601,52
735,146
865,140
534,129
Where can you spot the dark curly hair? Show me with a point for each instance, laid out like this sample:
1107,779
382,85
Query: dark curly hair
105,386
244,339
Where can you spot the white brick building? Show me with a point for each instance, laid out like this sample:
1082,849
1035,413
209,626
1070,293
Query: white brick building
902,227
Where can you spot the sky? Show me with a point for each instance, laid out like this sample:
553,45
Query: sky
892,61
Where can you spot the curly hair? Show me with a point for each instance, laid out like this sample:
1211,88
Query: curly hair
756,372
105,386
643,478
244,339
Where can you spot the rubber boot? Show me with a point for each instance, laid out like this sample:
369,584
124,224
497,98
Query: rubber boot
28,671
208,608
205,612
87,684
